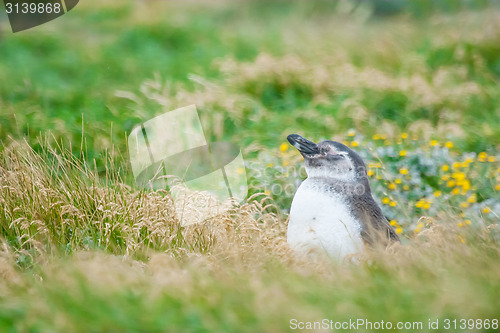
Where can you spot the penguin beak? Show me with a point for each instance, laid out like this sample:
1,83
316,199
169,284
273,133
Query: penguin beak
303,145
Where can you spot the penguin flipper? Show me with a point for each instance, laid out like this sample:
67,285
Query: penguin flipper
376,228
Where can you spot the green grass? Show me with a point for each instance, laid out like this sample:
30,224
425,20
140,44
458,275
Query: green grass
81,256
413,86
64,76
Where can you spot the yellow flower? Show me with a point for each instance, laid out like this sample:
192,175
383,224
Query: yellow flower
445,177
460,224
491,159
458,175
497,188
450,183
406,187
351,132
486,210
392,186
445,167
270,165
386,200
283,147
455,191
467,222
402,153
448,144
393,223
397,180
354,144
370,172
375,165
285,163
404,135
399,230
267,192
345,143
383,136
434,143
403,171
376,137
240,171
472,198
426,205
464,205
482,156
466,185
437,194
419,204
457,165
393,204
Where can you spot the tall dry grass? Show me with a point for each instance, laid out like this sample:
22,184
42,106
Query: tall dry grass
53,202
131,267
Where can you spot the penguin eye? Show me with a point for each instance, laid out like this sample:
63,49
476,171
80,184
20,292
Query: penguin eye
337,153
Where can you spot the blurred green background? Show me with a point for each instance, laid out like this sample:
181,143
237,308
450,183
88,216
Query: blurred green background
260,70
412,85
325,67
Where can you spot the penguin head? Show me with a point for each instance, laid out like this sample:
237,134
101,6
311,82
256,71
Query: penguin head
329,159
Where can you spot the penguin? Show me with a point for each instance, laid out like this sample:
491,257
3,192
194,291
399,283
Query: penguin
333,210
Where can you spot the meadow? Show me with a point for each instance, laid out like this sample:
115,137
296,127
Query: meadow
413,86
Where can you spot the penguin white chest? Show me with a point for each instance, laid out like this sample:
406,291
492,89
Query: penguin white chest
321,221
